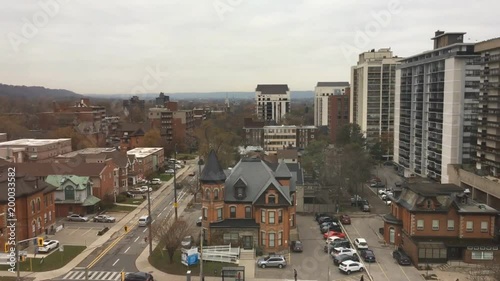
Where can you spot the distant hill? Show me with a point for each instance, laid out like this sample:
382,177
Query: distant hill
201,95
35,92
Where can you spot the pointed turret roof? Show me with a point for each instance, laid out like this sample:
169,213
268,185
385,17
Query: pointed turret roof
212,170
282,171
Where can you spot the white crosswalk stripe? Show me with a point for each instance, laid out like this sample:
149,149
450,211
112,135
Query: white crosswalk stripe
93,275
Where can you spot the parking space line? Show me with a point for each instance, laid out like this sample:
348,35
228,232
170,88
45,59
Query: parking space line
136,239
127,249
87,231
400,267
144,230
159,214
164,209
74,231
116,262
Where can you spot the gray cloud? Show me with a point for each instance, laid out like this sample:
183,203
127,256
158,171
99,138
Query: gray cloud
105,46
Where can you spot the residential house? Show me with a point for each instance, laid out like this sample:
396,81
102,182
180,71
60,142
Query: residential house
288,155
436,223
34,209
132,135
149,160
251,206
73,195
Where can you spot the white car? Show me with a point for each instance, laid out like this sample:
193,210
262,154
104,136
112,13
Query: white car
350,266
343,251
76,217
387,202
360,243
48,245
169,172
332,239
156,181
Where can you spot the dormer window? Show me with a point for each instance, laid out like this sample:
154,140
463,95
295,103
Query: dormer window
271,199
429,204
240,192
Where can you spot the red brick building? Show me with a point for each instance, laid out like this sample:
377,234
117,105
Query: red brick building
34,205
132,135
435,223
338,112
252,206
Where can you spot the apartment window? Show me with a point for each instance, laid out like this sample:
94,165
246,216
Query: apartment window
263,238
481,255
50,216
248,212
280,216
280,238
38,204
420,224
271,239
46,200
263,216
469,226
216,194
219,214
271,199
271,217
292,220
32,206
484,226
451,225
232,212
69,193
45,218
207,194
205,214
435,225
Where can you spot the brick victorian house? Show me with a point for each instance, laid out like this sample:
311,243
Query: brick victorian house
251,206
437,223
34,209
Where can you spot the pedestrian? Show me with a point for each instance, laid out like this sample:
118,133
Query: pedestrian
146,239
295,274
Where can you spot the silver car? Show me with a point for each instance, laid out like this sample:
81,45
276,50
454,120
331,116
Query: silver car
272,261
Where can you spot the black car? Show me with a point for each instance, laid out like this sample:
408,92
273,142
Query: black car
139,276
319,215
296,246
368,256
401,257
325,219
341,258
331,226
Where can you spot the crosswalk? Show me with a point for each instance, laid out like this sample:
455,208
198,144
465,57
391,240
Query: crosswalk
93,275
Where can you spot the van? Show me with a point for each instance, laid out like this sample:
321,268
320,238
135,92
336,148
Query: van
144,220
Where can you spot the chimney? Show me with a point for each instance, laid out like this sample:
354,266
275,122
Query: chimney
438,32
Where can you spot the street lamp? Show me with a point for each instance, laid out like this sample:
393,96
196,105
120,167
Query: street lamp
175,181
150,234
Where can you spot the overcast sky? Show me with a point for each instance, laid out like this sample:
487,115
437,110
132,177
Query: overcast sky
96,46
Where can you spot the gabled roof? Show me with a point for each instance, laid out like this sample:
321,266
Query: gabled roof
282,171
258,176
212,170
46,169
25,185
272,89
287,154
80,183
120,158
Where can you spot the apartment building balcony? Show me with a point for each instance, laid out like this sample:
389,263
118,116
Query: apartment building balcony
418,126
490,59
434,129
489,86
488,149
492,137
488,124
436,138
434,158
434,168
485,161
418,134
436,89
436,70
490,72
436,99
439,110
489,99
435,149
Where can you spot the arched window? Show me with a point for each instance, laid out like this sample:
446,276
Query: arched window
216,194
38,223
69,193
38,204
392,235
32,203
33,227
207,194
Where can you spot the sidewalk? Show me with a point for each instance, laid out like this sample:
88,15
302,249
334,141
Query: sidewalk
116,229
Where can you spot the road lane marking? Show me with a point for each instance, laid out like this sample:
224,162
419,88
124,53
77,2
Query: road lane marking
152,222
136,239
128,248
116,262
164,209
144,230
159,214
400,267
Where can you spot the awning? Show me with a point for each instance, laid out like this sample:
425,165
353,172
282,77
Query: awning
90,201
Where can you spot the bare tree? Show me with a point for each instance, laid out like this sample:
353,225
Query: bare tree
170,234
191,185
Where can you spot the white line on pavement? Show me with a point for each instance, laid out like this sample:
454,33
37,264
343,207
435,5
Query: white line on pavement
136,239
164,208
128,249
159,214
87,231
144,230
116,262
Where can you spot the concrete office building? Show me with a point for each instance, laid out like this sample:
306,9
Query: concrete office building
436,105
322,91
272,102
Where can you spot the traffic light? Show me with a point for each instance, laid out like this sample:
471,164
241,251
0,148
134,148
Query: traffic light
126,228
39,241
7,248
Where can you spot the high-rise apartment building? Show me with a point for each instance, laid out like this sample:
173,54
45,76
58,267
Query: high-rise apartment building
338,113
322,91
372,93
436,105
488,137
272,102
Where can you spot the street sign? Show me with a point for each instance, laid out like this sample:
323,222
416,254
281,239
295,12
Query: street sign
61,248
176,205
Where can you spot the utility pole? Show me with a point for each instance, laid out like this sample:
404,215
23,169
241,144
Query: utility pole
150,223
17,251
200,162
175,181
201,254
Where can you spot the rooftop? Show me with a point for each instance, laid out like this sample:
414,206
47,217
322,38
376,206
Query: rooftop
141,152
92,150
332,84
272,89
33,142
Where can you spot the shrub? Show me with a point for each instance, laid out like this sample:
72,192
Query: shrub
121,198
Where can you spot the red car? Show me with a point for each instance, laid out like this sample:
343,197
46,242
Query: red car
345,219
333,233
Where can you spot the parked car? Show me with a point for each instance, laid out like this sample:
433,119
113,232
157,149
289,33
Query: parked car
332,239
342,258
192,174
368,255
198,222
48,245
343,251
345,219
187,242
331,226
333,233
325,219
104,218
328,248
297,246
76,217
272,261
387,202
360,243
129,194
319,215
365,206
156,181
351,266
139,276
169,172
177,166
401,257
356,200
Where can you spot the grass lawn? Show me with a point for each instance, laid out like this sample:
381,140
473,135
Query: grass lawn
15,278
53,261
177,268
117,208
184,156
134,201
165,177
